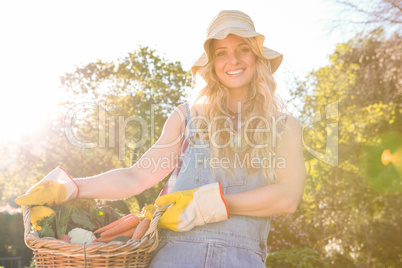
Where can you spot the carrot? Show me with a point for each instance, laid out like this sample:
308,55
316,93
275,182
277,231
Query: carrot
113,224
123,226
141,229
105,239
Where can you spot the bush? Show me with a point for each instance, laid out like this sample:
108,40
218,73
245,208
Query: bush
12,237
295,258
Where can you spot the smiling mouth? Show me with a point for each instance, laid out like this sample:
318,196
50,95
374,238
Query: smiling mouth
235,71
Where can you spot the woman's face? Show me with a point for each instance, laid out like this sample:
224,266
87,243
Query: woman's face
234,62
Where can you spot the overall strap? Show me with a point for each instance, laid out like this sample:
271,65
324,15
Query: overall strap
189,121
168,188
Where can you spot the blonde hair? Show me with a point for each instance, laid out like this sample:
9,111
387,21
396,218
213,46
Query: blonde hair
259,112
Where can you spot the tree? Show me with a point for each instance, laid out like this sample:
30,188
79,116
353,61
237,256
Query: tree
295,258
96,128
370,15
347,211
110,114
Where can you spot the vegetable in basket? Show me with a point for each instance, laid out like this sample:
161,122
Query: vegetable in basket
38,213
141,229
79,213
129,223
123,229
81,236
113,224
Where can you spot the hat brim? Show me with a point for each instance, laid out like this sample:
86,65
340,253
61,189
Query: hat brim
275,58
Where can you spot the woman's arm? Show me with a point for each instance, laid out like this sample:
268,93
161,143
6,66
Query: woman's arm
283,196
152,167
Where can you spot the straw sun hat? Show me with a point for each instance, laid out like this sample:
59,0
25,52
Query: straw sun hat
238,23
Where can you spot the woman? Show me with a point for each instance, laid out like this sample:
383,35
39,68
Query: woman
239,161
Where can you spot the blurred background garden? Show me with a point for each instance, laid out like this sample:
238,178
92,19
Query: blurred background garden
105,112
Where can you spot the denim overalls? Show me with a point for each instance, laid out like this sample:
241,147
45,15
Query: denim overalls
240,241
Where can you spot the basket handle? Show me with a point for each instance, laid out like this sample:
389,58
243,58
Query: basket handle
26,214
152,231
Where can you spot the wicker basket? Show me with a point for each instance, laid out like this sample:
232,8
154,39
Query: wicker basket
51,252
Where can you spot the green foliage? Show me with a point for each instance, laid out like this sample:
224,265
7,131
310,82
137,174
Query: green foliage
126,105
349,209
107,96
295,258
47,224
384,179
77,213
47,231
63,214
286,232
84,221
12,237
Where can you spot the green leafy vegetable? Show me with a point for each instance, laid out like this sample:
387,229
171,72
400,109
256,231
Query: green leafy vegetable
83,219
63,214
47,231
47,224
78,213
110,214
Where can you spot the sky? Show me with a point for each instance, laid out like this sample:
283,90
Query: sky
42,40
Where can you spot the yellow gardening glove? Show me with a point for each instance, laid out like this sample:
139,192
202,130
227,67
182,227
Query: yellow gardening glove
56,188
38,213
192,208
149,211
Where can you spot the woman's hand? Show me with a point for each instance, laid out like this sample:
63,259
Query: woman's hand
56,188
191,208
283,196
